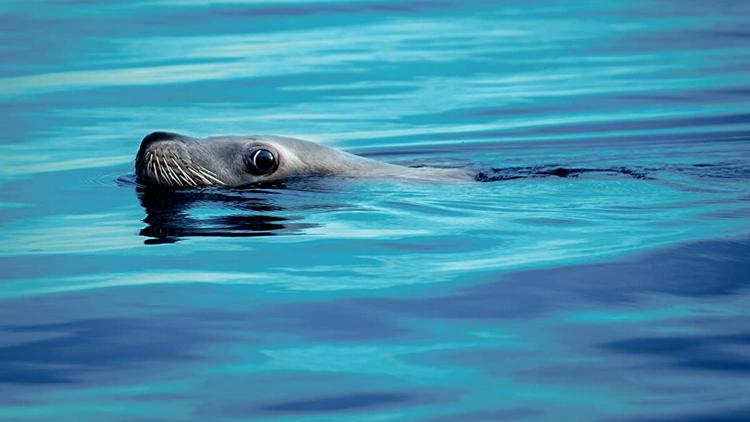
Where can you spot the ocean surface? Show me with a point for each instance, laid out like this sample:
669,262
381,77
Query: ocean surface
618,293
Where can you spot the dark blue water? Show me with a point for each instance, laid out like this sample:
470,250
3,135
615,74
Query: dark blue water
602,296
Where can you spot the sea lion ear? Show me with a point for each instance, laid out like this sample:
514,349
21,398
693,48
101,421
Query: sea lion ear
260,161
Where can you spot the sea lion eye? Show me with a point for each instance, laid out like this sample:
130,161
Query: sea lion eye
261,161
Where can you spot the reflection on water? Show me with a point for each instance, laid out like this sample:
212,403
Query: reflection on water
268,210
170,214
604,277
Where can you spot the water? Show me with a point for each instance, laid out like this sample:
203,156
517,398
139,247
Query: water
597,297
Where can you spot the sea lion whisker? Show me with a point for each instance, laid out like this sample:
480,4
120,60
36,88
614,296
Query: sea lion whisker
182,179
150,161
208,182
190,179
183,175
208,171
207,174
162,171
174,175
168,172
203,171
152,166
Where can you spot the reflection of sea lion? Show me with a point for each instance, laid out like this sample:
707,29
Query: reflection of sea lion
175,214
170,159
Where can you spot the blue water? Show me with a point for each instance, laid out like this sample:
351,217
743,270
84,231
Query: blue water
602,297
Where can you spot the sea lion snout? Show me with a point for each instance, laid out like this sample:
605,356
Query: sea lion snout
167,159
155,143
157,137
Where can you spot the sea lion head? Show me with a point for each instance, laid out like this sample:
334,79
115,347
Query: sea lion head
173,160
177,161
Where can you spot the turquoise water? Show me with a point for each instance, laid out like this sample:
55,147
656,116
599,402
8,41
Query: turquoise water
589,298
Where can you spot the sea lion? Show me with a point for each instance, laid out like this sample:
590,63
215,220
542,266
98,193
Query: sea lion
178,161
